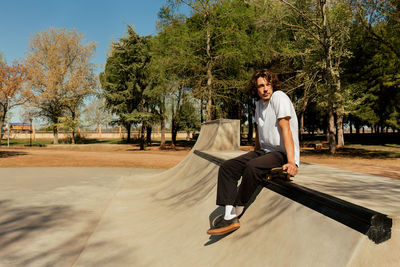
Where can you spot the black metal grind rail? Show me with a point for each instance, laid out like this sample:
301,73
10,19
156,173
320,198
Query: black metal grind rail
213,159
375,225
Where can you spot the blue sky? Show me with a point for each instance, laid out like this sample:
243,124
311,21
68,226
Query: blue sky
101,21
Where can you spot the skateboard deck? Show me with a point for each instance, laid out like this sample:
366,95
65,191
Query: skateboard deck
277,173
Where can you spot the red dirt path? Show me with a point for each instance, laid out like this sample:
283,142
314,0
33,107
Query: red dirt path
128,156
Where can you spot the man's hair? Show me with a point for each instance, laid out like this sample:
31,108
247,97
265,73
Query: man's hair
271,78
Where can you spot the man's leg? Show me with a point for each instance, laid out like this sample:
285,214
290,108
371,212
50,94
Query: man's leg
254,172
228,177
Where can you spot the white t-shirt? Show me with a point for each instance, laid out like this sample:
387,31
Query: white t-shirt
269,132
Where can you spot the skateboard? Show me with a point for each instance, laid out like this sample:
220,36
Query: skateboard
277,173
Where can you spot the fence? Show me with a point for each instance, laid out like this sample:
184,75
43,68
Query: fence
120,133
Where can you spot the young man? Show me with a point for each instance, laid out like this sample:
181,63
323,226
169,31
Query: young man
277,145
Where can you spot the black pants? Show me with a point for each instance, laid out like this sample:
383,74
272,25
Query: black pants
252,167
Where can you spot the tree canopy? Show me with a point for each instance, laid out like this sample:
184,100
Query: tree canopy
12,91
60,75
338,61
125,79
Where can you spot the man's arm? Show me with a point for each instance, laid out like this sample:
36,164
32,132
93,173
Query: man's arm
290,167
257,145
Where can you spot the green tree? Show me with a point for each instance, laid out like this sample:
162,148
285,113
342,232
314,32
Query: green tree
326,25
125,79
220,43
189,117
372,72
373,75
171,68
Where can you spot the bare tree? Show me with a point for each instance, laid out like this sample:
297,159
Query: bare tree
60,74
12,91
96,114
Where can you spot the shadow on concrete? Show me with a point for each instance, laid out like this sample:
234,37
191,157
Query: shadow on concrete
9,154
215,238
271,210
44,235
191,193
19,223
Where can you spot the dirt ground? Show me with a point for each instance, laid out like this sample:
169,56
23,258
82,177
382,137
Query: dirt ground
381,167
129,156
122,156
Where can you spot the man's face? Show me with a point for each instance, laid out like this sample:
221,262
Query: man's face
264,89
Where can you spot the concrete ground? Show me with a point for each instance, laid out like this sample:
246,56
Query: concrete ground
146,217
130,217
47,215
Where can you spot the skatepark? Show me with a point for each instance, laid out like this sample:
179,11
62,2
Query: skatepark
147,217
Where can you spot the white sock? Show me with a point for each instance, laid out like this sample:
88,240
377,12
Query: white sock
239,210
229,212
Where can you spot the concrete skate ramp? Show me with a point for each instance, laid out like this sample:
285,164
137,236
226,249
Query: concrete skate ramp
161,220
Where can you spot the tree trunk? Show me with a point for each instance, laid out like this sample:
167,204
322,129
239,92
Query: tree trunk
331,132
55,134
162,126
162,144
330,77
302,112
301,126
173,124
339,124
201,110
174,132
143,127
3,120
1,129
209,106
148,135
128,132
73,137
73,131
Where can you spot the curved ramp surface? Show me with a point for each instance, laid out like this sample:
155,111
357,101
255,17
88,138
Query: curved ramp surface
161,220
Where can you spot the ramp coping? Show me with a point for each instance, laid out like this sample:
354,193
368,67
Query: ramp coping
375,225
219,121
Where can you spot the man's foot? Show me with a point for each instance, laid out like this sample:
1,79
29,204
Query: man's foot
239,212
223,226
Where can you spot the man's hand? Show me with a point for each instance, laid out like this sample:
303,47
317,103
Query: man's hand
290,168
